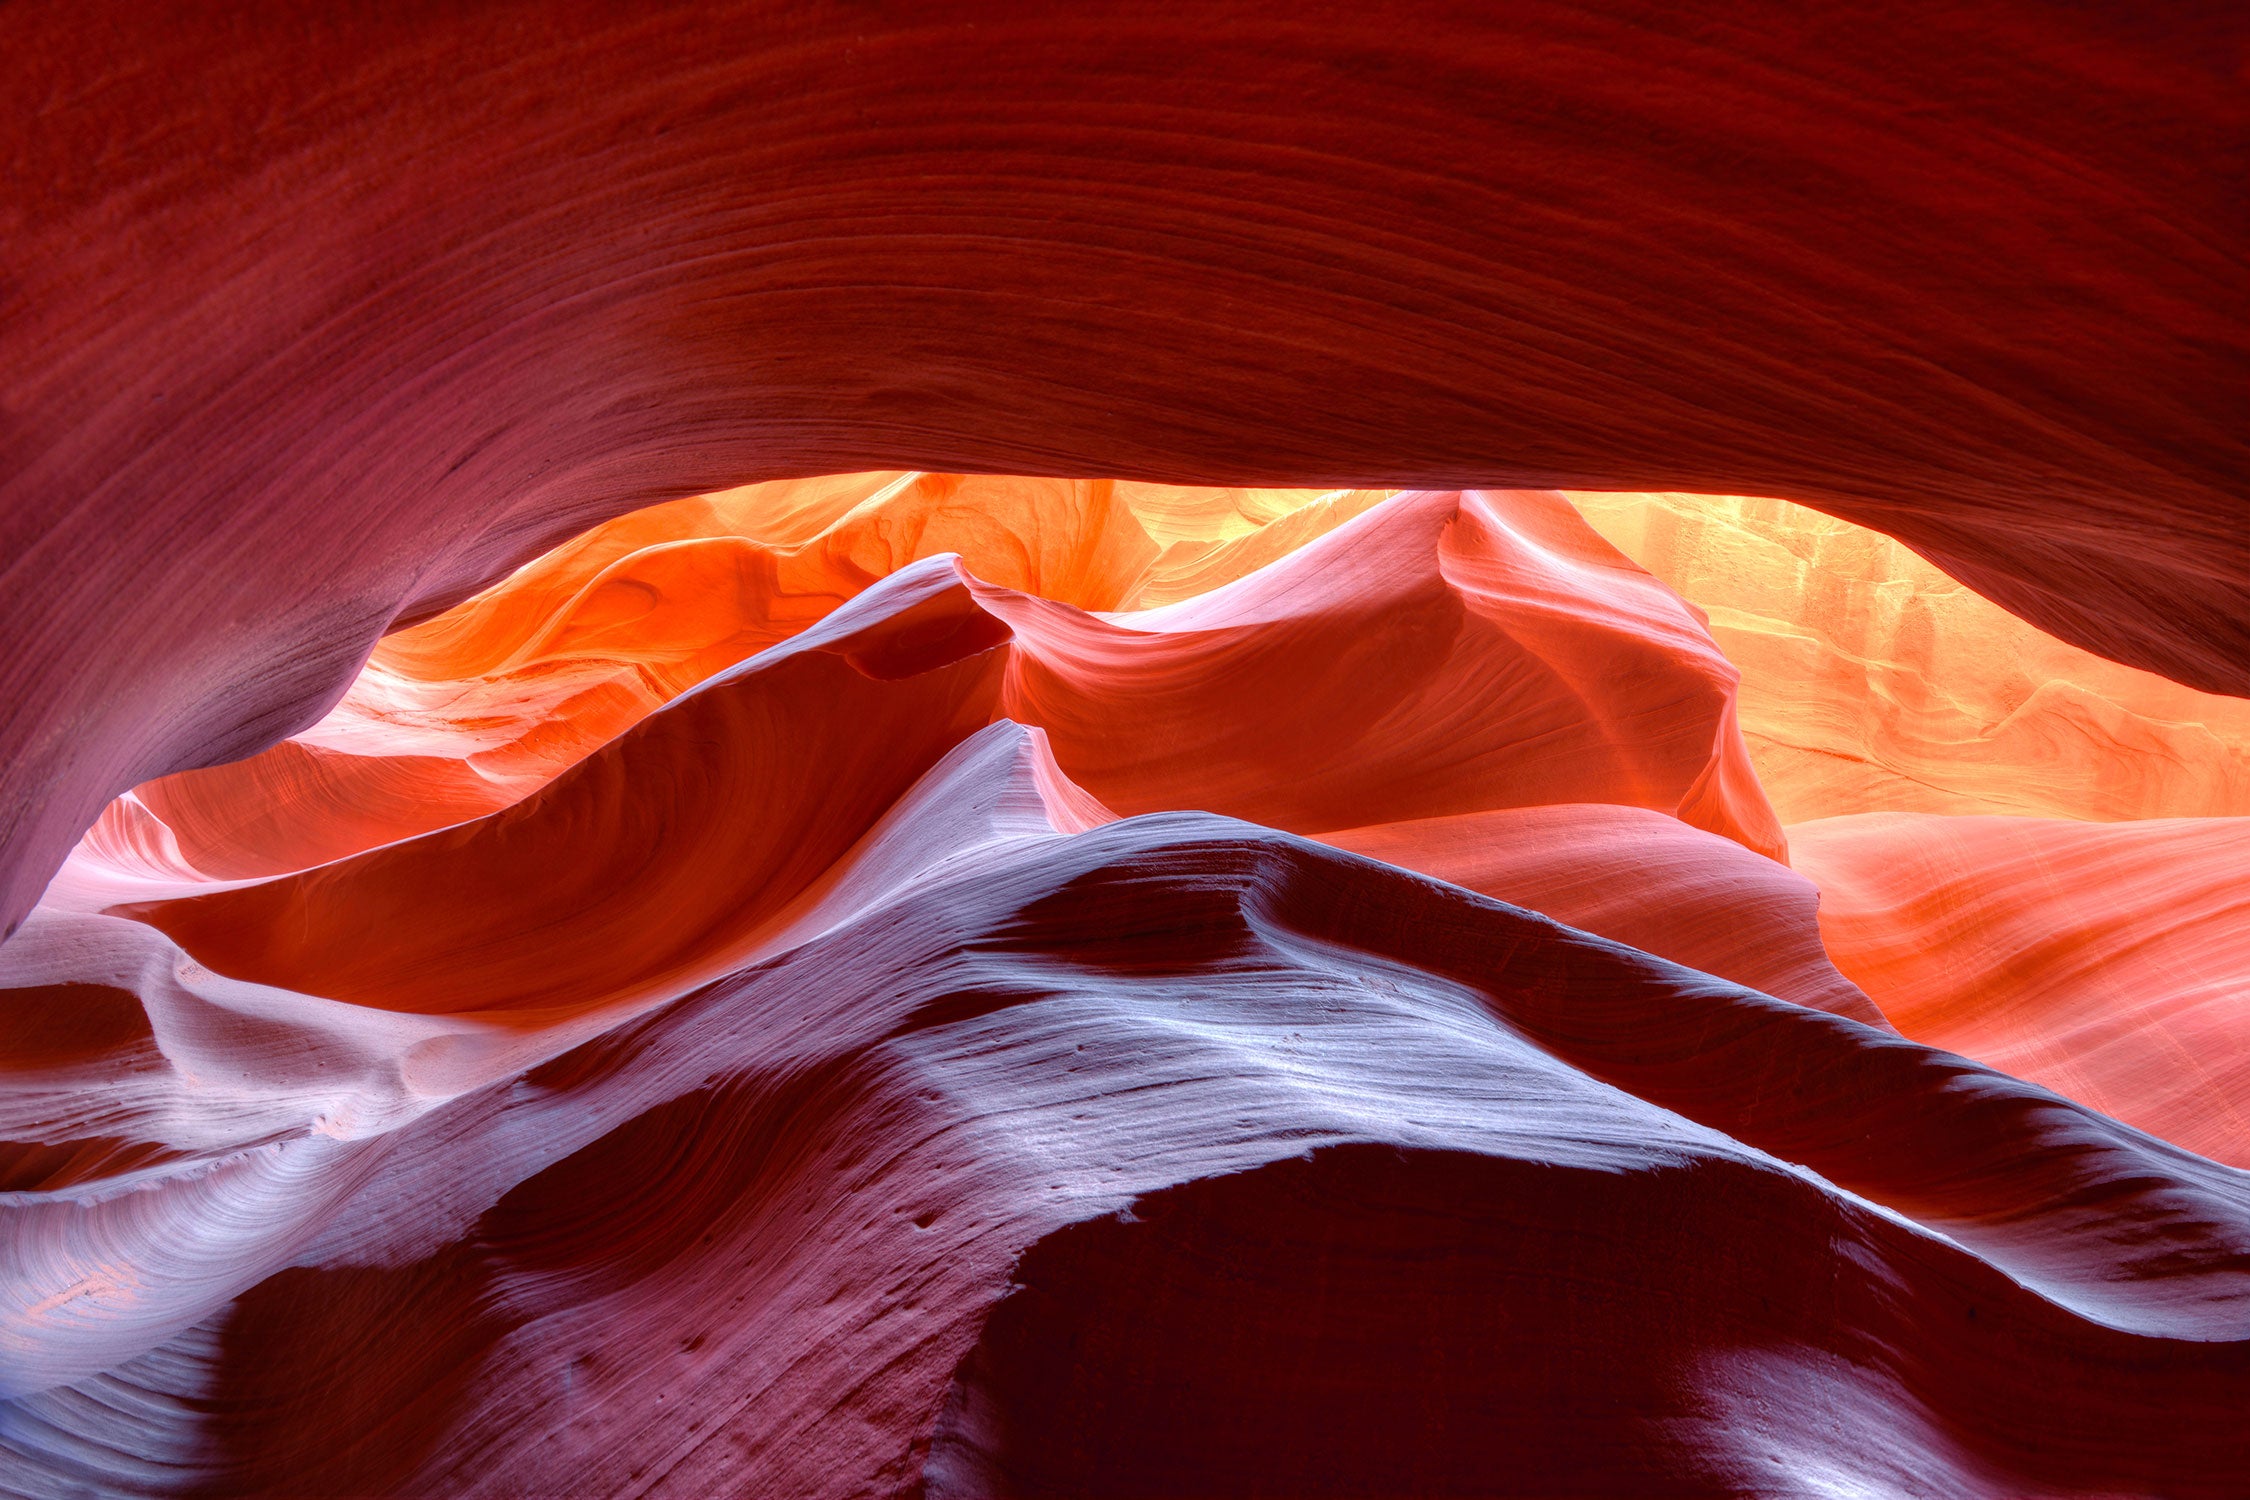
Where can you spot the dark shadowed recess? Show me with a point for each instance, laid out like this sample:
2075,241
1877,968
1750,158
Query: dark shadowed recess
1335,1323
732,1285
95,1031
338,1380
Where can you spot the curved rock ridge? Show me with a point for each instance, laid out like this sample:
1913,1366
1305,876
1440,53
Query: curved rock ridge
1648,881
321,321
1351,658
1871,682
482,705
1441,653
2109,962
707,818
1020,1143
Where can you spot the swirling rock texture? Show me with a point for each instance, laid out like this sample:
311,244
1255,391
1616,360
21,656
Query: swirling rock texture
911,981
2098,950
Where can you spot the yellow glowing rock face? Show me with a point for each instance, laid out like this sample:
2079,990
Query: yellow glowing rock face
1872,682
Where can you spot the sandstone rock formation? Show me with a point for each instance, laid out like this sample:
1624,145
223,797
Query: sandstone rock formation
2110,962
595,901
1872,682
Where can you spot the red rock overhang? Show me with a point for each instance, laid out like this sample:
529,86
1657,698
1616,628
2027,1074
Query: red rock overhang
313,321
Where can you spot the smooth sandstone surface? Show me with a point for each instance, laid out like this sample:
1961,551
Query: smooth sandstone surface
1649,881
318,320
829,1223
2109,962
1904,727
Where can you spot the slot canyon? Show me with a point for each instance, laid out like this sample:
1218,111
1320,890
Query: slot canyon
982,750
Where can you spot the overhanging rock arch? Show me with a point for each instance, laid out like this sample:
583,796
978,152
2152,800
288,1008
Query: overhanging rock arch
315,322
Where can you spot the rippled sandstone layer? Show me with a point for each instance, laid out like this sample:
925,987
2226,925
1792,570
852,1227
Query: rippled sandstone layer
2110,962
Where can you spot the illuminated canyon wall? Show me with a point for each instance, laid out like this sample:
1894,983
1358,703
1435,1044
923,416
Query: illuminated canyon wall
552,955
1872,682
2025,853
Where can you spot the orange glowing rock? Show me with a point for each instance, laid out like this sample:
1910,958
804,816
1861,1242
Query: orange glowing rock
2086,949
1439,654
478,707
1444,653
703,821
2110,962
1649,881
